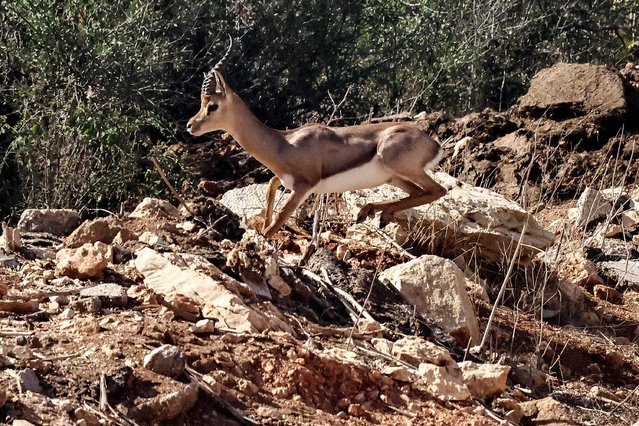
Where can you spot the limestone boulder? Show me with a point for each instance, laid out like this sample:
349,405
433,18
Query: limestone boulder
437,288
416,350
101,229
445,383
53,221
484,380
580,88
467,219
247,201
154,208
87,261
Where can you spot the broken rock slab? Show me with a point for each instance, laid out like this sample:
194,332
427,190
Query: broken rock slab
591,206
437,288
168,280
624,271
53,221
467,219
110,294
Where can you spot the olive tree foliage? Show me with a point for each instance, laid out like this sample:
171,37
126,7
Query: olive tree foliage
92,89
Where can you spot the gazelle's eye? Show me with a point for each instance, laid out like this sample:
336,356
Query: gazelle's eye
211,107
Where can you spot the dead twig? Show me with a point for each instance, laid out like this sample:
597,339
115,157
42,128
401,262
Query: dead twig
359,308
168,184
237,414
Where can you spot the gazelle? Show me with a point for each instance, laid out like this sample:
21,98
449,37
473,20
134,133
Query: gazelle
321,159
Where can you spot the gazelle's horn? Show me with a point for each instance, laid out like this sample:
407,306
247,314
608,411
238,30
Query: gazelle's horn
225,57
210,76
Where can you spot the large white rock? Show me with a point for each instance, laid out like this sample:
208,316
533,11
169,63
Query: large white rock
53,221
445,383
484,380
247,201
437,288
215,300
467,219
591,206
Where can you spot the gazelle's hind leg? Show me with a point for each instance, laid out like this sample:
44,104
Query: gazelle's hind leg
429,192
421,189
407,155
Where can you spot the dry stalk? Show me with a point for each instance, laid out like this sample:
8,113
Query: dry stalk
168,184
502,290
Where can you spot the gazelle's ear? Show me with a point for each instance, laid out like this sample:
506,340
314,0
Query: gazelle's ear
220,83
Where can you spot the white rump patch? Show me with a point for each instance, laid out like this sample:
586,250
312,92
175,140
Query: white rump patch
368,175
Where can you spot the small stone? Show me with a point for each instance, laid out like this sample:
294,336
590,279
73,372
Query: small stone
607,293
247,387
630,220
602,393
21,340
166,360
3,397
109,294
67,314
613,231
151,239
20,422
400,374
367,326
28,381
356,410
90,419
60,300
204,326
383,345
21,352
90,305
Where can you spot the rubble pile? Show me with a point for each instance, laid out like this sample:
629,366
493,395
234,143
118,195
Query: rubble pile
492,305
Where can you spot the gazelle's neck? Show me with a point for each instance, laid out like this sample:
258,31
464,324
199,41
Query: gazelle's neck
261,141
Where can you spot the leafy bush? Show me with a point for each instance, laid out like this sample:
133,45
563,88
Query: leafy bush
91,89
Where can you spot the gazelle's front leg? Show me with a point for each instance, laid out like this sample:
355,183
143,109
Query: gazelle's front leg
273,184
296,198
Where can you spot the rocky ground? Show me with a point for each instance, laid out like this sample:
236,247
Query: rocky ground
514,299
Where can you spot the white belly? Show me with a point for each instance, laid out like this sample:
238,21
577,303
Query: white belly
367,175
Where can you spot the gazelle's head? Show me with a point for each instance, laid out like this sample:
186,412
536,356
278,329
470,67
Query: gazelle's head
215,102
214,113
